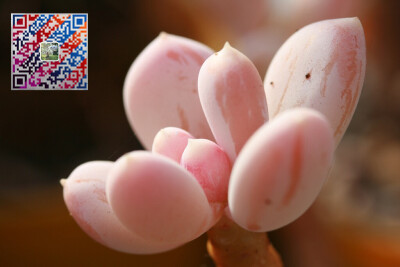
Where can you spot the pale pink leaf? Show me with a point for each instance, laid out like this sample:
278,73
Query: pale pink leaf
321,66
171,142
280,171
160,88
157,199
85,197
211,167
232,96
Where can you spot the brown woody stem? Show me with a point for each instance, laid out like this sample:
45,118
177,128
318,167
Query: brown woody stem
229,245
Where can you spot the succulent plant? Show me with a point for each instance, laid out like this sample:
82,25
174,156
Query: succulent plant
224,146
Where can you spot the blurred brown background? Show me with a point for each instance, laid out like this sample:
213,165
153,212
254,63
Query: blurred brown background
45,135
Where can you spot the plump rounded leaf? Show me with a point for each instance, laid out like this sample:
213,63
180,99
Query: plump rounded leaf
160,88
157,199
280,170
86,200
233,99
171,142
321,66
211,167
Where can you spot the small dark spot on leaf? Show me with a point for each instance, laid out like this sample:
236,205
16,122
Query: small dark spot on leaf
308,75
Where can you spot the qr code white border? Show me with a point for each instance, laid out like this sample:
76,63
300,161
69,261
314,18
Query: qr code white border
52,89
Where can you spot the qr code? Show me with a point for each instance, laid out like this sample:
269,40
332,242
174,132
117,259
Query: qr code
49,51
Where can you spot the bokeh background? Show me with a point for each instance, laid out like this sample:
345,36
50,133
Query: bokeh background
44,135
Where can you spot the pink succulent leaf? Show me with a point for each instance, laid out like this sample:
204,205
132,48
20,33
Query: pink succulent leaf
160,88
280,171
211,167
171,142
321,66
157,199
85,197
233,99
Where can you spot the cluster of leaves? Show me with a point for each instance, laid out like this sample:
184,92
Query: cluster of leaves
221,140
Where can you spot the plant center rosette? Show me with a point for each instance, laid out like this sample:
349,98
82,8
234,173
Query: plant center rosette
220,141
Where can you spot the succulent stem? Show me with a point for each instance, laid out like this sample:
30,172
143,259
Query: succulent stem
230,245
